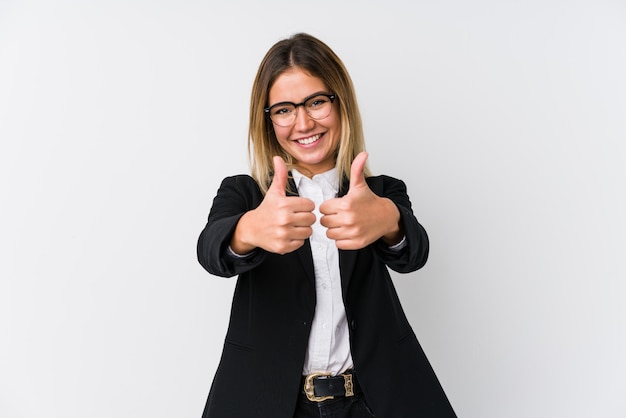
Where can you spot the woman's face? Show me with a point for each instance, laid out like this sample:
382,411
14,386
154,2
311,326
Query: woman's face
312,143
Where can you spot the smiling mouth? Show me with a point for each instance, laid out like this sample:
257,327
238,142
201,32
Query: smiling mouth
309,140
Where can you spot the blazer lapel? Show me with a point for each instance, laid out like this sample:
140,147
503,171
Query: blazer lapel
347,258
306,258
304,252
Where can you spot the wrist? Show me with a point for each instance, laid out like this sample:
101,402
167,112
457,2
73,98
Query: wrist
393,238
395,232
239,242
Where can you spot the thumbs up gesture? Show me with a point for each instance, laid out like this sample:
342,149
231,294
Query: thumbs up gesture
280,224
360,217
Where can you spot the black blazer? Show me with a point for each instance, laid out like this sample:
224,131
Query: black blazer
261,366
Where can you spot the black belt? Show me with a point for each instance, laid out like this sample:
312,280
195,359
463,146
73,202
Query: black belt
319,387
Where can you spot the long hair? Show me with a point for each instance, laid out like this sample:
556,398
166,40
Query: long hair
308,53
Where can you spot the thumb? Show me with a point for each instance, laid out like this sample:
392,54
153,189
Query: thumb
357,178
279,182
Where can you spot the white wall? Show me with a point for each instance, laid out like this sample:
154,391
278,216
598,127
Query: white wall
118,119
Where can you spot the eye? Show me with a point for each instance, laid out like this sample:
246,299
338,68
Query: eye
282,110
318,101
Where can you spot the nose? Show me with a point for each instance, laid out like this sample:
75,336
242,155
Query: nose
303,121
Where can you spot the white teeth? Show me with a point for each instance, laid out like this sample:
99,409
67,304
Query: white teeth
310,140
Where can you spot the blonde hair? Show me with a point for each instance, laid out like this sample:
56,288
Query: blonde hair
308,53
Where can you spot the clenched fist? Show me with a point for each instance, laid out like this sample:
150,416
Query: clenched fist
360,217
280,224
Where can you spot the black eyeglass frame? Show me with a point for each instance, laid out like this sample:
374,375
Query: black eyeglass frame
330,97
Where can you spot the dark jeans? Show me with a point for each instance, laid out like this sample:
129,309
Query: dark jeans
340,407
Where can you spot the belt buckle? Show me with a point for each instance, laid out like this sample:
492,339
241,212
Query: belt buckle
309,388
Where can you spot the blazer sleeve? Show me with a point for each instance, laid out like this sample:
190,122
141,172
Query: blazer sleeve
414,255
235,196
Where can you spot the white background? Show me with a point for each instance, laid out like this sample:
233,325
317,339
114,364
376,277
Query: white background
118,120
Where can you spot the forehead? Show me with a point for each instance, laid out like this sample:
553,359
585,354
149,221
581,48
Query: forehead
294,85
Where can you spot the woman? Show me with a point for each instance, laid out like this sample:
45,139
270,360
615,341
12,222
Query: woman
316,326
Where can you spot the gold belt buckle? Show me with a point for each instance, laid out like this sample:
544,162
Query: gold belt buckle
309,387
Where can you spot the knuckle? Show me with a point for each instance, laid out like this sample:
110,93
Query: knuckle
282,218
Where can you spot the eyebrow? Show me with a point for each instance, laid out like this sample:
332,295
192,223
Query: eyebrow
304,100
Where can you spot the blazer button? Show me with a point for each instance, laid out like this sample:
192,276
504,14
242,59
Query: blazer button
353,324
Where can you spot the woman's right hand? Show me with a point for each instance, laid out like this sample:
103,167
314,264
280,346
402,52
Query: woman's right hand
280,224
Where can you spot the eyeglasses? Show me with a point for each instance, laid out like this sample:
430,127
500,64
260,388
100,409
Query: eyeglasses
317,106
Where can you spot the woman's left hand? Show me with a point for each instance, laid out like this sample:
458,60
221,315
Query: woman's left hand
360,217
